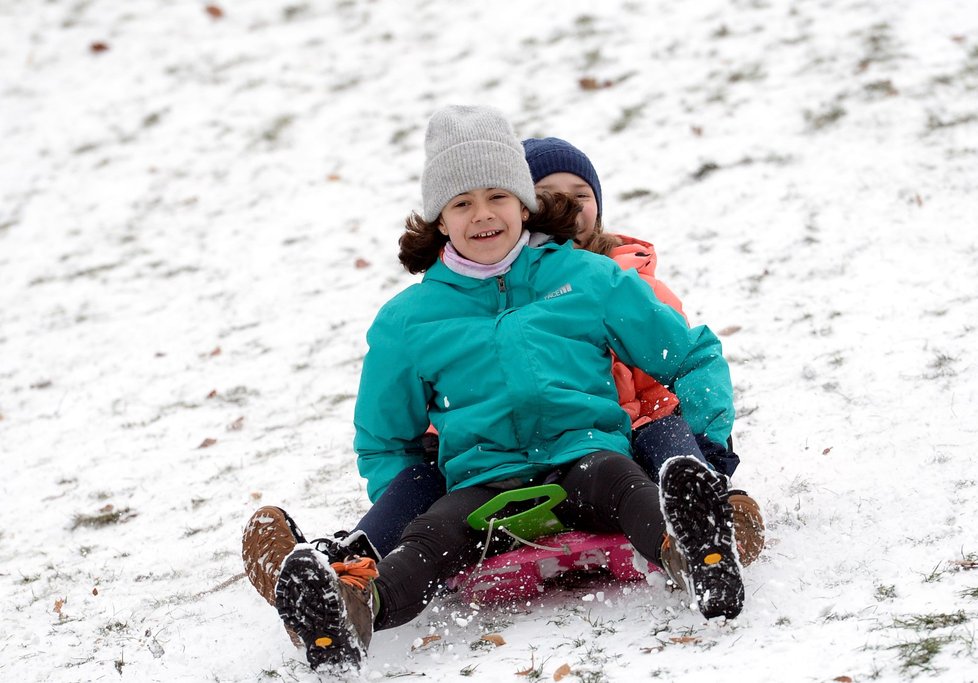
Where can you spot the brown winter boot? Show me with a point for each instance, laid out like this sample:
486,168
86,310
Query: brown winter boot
269,537
330,606
673,564
748,526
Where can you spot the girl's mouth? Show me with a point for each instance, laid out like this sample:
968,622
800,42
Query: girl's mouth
487,234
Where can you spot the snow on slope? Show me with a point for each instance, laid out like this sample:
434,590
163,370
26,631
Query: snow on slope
198,223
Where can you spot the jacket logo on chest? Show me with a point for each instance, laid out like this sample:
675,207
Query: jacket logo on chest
560,291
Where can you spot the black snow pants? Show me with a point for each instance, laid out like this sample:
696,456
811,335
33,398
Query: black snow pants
606,492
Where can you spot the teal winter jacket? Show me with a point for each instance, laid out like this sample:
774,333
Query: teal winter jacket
515,371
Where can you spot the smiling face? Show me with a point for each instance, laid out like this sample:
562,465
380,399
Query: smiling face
576,187
483,224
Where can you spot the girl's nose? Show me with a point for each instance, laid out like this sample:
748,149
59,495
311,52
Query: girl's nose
482,212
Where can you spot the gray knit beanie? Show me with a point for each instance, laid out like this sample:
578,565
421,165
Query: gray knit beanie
468,148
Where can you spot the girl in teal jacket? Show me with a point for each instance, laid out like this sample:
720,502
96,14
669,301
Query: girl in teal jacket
513,370
505,347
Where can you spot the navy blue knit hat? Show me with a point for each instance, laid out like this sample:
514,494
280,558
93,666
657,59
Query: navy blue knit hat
553,155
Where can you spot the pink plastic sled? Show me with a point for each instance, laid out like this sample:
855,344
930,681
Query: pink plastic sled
521,573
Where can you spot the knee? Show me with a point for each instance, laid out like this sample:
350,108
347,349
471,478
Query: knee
599,472
432,528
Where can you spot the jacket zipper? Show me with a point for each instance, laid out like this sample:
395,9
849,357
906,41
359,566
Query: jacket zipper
501,284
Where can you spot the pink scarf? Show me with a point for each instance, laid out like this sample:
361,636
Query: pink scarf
482,271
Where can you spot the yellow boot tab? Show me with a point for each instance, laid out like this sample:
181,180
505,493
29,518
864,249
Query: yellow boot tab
712,558
325,641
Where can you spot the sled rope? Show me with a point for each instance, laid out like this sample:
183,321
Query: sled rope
564,548
485,546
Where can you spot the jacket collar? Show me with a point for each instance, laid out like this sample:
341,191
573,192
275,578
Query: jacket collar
529,255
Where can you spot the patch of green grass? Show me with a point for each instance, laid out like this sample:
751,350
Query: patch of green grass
818,120
628,116
918,655
635,194
707,168
935,574
114,627
600,627
969,593
929,622
102,518
751,72
941,366
482,645
834,616
885,593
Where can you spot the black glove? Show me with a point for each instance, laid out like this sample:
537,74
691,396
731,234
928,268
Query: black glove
430,444
722,458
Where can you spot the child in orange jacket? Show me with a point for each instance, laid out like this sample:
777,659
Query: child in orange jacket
558,166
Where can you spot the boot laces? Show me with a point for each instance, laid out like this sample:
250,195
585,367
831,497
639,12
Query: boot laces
357,572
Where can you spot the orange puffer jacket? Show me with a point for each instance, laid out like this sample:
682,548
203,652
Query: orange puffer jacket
642,397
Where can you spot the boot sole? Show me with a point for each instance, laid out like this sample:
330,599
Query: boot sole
701,521
308,600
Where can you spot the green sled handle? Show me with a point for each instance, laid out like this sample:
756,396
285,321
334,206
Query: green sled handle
537,521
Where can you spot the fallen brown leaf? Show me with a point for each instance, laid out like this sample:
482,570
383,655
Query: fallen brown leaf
333,177
588,83
108,507
561,671
216,351
842,679
361,263
256,495
212,394
95,591
98,47
729,330
237,425
215,11
685,640
207,443
493,638
425,641
827,450
58,604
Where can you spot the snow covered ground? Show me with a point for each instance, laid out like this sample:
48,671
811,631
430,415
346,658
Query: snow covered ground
199,209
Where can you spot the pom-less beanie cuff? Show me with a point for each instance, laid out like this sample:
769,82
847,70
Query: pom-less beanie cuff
553,155
467,148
